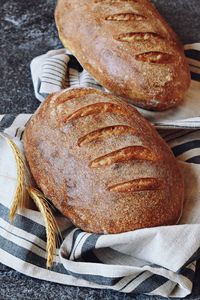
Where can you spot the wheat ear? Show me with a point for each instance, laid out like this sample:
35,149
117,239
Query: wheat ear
20,191
23,186
50,223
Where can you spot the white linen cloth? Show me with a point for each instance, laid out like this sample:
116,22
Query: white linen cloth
154,261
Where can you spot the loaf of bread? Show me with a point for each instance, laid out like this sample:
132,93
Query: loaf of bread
102,164
128,47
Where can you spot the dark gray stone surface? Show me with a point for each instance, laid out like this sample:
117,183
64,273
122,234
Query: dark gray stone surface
27,30
15,286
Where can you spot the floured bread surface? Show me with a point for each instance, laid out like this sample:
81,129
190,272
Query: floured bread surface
128,47
102,164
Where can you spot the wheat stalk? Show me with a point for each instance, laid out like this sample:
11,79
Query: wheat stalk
22,189
50,222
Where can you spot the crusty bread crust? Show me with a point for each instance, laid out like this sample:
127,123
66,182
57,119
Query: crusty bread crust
102,164
128,47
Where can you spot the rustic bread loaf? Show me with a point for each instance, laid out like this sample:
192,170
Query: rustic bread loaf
128,47
102,164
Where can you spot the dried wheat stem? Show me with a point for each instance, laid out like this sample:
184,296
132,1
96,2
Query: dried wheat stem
24,186
20,192
50,223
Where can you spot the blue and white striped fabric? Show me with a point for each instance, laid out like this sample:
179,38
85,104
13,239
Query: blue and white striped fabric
59,69
154,261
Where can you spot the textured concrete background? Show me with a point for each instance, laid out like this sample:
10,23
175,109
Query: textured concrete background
27,29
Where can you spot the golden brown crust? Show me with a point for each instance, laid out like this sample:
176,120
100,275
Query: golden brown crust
108,172
128,47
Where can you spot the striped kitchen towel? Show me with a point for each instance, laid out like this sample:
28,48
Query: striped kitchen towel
154,261
58,69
